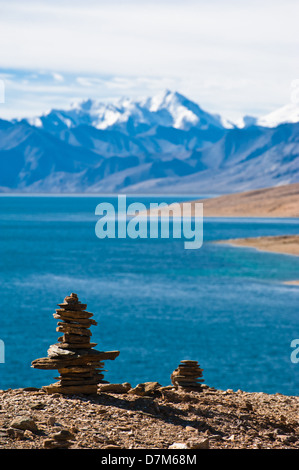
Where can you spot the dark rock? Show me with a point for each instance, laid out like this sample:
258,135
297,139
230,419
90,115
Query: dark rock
114,388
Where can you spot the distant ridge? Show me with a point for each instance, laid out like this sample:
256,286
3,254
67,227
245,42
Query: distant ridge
162,144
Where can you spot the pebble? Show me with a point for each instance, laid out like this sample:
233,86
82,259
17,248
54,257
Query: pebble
28,434
190,428
38,406
178,445
51,421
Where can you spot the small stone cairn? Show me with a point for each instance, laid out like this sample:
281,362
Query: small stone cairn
187,376
79,365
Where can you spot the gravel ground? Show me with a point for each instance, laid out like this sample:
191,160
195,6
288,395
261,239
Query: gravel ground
165,418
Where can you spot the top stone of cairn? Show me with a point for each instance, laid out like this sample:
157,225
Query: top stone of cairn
71,302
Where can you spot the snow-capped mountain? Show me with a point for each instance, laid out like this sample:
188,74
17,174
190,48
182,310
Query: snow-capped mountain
288,114
168,109
166,143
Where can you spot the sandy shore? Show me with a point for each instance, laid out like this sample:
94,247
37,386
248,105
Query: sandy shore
220,419
281,201
285,244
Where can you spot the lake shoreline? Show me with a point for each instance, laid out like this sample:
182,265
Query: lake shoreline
279,244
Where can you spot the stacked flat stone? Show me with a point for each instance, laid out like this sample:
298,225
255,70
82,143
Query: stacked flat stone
187,376
79,365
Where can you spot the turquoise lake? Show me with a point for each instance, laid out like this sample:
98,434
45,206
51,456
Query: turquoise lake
154,301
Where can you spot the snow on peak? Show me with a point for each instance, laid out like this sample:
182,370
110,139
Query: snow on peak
286,114
169,109
182,112
160,101
35,121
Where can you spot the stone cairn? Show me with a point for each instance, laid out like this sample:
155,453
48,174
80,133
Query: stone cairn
79,365
187,376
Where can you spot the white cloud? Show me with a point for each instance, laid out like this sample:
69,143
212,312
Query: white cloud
233,56
57,77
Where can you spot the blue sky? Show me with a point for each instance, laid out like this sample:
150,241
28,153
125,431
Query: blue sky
232,57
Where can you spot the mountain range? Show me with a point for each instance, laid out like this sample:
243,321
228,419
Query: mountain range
162,144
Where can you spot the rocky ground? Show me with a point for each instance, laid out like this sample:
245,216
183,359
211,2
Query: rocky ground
148,417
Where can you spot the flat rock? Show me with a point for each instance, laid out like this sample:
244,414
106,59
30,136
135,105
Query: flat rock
75,346
54,444
71,338
86,357
80,381
114,388
75,306
73,329
82,323
76,370
188,361
145,389
71,390
187,377
73,314
24,423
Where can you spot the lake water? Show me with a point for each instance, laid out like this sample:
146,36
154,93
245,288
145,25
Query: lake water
154,301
